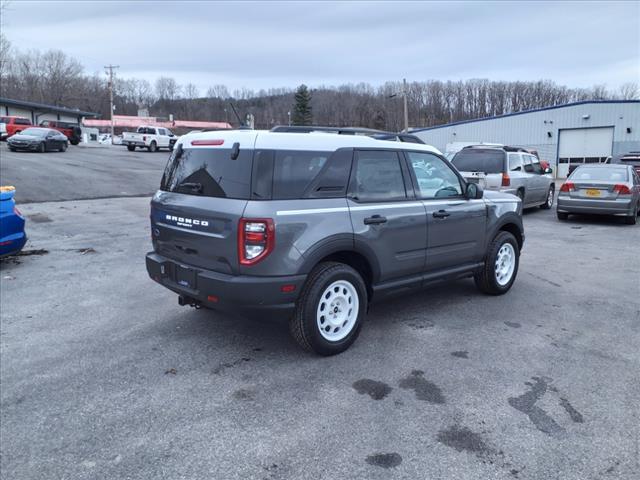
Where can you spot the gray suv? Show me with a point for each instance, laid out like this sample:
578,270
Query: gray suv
315,226
508,169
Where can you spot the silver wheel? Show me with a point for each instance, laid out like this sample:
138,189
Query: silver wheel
550,198
505,264
337,310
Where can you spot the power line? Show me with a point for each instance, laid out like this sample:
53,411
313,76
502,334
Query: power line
108,69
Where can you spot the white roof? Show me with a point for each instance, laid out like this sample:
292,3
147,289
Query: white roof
319,141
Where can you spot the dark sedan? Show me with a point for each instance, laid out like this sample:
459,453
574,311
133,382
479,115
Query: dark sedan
38,140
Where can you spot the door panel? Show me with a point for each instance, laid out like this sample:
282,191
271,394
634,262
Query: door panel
457,238
455,225
383,216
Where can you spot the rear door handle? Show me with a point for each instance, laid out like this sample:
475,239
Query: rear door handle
441,214
375,220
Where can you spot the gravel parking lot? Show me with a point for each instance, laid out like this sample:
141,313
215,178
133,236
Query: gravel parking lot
104,376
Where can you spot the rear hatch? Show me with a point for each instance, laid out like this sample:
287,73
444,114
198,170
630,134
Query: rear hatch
483,166
203,194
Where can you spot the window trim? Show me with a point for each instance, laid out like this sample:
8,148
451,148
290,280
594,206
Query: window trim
408,187
414,179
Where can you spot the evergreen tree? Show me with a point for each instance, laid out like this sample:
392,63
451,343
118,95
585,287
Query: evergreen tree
302,114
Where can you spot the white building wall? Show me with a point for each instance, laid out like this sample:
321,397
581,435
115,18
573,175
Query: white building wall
530,129
17,112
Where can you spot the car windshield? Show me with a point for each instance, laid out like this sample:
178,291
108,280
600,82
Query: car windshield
589,174
36,132
479,160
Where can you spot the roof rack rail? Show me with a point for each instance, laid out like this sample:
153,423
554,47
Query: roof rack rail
370,132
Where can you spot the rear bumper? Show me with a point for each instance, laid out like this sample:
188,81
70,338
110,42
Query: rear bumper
604,207
241,294
12,244
133,143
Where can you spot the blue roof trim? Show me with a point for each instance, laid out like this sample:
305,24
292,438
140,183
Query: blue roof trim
564,105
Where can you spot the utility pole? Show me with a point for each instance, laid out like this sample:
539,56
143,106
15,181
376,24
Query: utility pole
110,69
406,112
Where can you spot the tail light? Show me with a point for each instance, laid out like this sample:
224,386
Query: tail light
256,239
621,189
568,187
506,180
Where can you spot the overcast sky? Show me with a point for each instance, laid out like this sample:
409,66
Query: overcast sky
274,44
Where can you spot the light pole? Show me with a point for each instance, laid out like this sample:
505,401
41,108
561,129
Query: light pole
404,102
289,116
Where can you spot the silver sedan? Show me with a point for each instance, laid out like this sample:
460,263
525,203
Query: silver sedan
601,189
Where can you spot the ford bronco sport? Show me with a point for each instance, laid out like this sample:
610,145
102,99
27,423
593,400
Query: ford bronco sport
315,226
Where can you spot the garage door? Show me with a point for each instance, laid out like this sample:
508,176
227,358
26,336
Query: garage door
583,145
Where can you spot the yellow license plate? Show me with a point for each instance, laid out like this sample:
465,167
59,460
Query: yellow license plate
592,192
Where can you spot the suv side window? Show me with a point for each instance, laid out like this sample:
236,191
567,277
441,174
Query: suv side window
294,170
22,121
515,162
527,164
435,178
377,176
535,165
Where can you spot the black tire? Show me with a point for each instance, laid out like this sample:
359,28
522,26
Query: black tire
74,141
131,148
42,148
63,147
549,202
303,325
520,194
153,147
563,216
632,220
485,279
13,149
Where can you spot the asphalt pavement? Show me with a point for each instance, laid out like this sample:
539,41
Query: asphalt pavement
81,173
104,376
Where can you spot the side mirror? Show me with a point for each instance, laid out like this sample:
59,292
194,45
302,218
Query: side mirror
548,170
474,191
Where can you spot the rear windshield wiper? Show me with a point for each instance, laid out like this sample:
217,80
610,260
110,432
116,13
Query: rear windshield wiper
196,187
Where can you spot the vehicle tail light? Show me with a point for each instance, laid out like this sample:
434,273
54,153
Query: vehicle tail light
568,187
256,239
621,189
506,180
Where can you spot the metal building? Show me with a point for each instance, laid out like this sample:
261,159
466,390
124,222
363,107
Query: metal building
38,112
581,132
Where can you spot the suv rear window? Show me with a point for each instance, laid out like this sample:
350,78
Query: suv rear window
479,160
208,172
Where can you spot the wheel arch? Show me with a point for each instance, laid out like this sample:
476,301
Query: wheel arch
343,250
512,223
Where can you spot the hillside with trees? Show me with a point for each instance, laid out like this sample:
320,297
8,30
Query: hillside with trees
55,78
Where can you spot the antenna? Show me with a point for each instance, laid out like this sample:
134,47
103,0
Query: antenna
236,114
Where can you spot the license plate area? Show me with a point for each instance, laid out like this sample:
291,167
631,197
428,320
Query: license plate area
592,192
185,276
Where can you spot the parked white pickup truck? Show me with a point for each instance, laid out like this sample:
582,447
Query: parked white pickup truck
149,137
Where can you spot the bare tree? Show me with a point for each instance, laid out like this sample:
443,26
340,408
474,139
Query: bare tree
191,91
167,88
630,91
